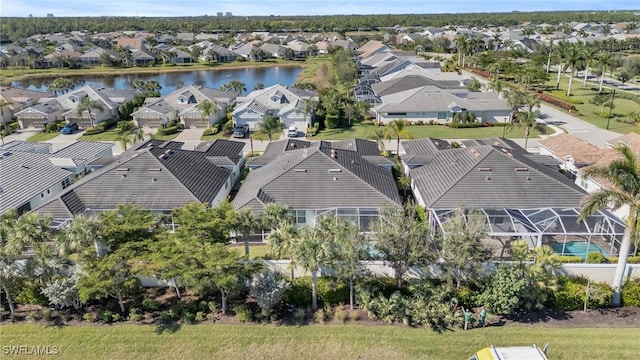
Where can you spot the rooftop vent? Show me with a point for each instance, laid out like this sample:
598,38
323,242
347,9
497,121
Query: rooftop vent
122,169
155,169
335,170
484,169
24,166
300,170
521,169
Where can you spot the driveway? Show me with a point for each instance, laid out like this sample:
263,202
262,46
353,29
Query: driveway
22,134
61,140
576,127
190,137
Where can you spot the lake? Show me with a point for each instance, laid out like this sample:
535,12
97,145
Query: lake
284,75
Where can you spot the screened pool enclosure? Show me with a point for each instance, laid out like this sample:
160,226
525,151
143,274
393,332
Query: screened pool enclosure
556,227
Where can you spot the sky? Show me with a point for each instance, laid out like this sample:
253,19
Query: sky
61,8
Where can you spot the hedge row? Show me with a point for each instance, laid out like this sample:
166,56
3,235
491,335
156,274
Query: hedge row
557,102
168,130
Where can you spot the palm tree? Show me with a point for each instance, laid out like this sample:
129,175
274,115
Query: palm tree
82,233
245,224
312,251
206,108
125,139
378,136
237,86
515,99
87,105
282,242
395,129
270,125
527,121
549,55
496,85
573,57
589,54
4,106
560,54
624,176
605,60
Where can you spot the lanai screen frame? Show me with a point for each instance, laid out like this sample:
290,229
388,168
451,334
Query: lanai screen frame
535,223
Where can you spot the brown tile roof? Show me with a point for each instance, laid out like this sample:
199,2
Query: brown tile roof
565,145
632,140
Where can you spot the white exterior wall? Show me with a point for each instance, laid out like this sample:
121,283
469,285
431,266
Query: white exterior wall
223,193
53,191
413,116
249,117
493,116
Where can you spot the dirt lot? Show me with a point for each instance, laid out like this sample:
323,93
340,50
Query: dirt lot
616,317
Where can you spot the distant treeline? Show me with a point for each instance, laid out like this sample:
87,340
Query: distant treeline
17,28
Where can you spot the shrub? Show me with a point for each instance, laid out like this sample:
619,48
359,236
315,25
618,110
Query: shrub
168,130
354,315
210,131
125,125
166,316
180,126
385,286
340,314
557,102
188,317
332,292
633,260
51,127
572,294
465,125
30,294
106,316
566,259
116,317
596,258
630,293
88,317
93,130
150,304
332,121
299,294
46,315
243,312
134,314
200,316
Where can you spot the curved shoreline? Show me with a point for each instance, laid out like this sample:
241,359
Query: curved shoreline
152,70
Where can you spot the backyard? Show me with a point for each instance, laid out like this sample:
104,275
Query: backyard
334,341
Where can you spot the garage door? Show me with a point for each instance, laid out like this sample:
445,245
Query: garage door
32,123
195,123
148,123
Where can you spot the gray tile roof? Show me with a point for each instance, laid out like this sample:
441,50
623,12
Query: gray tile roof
24,175
25,146
153,177
411,82
490,177
220,148
85,150
318,177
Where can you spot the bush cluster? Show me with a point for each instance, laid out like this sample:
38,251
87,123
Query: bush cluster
330,291
572,294
557,102
12,127
168,130
630,293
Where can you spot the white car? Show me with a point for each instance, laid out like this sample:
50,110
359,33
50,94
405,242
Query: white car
292,131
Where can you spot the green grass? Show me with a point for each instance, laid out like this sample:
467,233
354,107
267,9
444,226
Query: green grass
219,135
364,130
588,112
312,342
109,135
255,251
42,136
165,137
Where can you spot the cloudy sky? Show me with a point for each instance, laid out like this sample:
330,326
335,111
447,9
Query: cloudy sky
294,7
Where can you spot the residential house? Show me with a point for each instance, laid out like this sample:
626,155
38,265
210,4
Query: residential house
94,56
18,99
273,50
157,176
142,57
60,58
182,105
372,47
39,115
185,37
319,179
31,175
289,104
108,98
497,179
300,49
135,43
347,44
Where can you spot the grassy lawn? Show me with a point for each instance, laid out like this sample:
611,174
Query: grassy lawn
255,251
588,112
364,130
109,135
42,136
220,135
165,137
312,342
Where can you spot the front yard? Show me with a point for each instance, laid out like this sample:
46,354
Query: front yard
365,130
42,136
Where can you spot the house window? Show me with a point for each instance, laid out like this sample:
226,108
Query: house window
442,116
397,114
300,216
584,182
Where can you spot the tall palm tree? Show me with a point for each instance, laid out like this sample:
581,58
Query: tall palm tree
560,54
245,224
311,252
549,55
526,120
282,242
623,175
497,86
515,99
589,54
572,58
4,106
605,61
395,130
125,139
462,44
86,104
206,108
270,125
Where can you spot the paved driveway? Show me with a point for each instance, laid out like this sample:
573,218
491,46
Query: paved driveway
61,140
22,134
190,137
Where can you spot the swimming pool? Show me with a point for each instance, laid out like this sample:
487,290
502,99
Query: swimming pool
578,248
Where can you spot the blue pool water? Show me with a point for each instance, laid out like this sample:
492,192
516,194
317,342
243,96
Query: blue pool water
578,248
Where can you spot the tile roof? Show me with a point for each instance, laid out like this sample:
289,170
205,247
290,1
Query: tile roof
152,176
490,177
318,177
565,146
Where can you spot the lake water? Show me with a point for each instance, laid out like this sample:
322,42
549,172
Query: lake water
284,75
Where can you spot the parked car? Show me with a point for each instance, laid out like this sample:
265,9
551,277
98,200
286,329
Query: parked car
69,129
292,131
241,131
